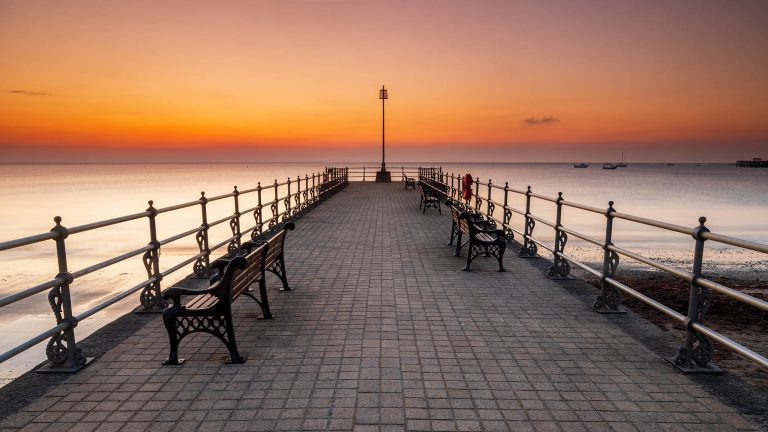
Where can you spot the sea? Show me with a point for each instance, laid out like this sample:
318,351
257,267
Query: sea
734,201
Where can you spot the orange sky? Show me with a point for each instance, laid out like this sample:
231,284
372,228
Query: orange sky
94,80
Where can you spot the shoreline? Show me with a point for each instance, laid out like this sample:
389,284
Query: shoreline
30,386
742,323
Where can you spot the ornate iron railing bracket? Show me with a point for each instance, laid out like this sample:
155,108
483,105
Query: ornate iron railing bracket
695,357
609,299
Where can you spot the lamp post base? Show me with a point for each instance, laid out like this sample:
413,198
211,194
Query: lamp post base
383,177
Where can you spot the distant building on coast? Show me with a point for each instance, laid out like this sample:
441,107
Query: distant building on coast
754,163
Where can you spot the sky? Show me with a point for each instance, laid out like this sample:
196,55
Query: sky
290,80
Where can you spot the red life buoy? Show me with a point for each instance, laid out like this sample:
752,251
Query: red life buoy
466,187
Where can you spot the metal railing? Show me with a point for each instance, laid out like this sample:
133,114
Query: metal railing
301,194
368,173
697,352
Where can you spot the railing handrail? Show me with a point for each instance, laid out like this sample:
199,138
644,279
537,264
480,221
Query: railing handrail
729,240
609,300
368,173
309,191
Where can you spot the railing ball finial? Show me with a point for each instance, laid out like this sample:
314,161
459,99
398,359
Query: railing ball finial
697,232
151,203
63,232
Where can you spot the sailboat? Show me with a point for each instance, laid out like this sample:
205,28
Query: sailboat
621,164
610,166
581,165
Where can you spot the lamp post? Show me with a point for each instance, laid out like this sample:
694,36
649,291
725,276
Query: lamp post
383,176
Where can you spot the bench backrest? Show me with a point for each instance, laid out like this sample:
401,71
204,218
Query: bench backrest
455,214
468,224
464,225
252,272
276,244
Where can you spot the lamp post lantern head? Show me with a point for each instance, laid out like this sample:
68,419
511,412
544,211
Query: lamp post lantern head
383,93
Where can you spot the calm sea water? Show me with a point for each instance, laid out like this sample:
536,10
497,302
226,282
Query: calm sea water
735,201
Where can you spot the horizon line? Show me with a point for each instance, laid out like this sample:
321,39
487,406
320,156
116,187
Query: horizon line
374,164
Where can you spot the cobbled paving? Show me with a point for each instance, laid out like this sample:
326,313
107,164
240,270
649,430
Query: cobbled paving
384,332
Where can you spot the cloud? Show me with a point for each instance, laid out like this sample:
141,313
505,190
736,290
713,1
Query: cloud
29,93
541,120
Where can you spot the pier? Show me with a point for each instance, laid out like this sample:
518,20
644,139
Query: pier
385,332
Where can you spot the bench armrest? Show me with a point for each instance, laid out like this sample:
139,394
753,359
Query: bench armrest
174,294
217,269
250,245
500,234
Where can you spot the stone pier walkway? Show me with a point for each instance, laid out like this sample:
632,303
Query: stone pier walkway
384,332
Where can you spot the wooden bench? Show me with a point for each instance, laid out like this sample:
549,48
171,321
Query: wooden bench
428,200
210,310
456,210
409,182
483,241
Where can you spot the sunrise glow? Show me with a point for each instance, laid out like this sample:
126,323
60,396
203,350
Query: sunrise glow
529,81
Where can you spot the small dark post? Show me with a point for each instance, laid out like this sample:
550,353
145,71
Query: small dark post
297,196
273,207
467,204
202,266
529,248
62,350
287,203
696,355
257,215
150,296
489,206
560,268
383,176
478,200
507,212
314,188
234,225
609,300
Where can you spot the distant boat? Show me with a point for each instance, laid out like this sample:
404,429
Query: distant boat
670,164
610,166
754,163
621,164
581,165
